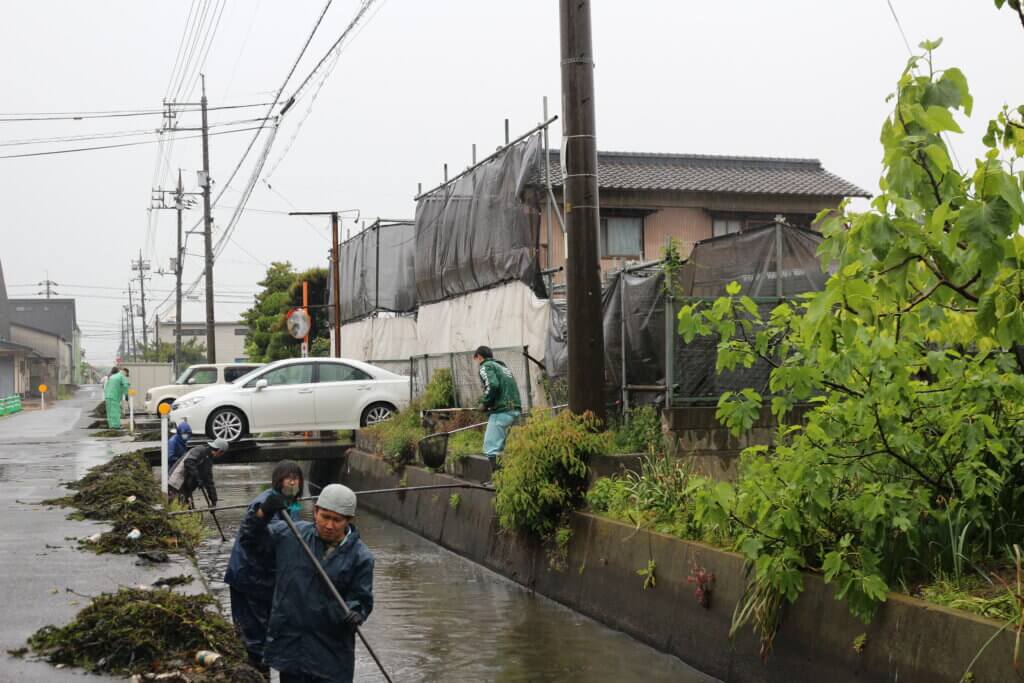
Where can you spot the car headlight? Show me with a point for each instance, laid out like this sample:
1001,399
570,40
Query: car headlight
187,402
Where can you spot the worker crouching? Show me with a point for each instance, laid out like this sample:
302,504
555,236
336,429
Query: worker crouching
309,636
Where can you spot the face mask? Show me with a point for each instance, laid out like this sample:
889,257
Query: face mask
290,489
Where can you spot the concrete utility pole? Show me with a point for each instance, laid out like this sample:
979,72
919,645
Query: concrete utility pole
336,277
178,262
131,324
142,267
582,213
211,339
49,284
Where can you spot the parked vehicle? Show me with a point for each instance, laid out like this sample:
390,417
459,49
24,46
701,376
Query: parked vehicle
295,395
194,378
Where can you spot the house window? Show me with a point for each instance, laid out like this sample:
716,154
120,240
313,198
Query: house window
241,331
726,226
622,236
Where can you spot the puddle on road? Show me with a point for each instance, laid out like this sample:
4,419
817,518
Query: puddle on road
439,617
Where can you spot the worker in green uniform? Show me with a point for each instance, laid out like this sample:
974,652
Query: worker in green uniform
500,399
115,390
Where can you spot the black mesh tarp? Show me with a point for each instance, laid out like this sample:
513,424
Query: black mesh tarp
481,229
642,296
378,270
749,258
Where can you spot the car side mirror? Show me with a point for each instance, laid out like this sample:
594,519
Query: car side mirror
261,384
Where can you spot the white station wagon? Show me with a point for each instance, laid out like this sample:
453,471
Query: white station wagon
195,377
295,395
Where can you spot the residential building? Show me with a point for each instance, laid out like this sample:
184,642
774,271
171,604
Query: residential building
14,357
51,363
647,199
53,318
230,337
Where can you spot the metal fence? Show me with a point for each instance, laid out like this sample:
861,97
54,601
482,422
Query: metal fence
465,375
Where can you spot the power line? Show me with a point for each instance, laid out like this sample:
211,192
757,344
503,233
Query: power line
115,146
111,114
111,135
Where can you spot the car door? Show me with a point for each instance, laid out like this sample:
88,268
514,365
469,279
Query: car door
340,394
287,403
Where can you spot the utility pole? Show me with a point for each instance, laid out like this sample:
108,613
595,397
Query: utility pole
142,267
211,340
131,324
49,284
178,262
336,276
582,213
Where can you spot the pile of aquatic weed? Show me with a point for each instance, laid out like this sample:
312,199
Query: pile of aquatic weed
124,492
136,631
107,433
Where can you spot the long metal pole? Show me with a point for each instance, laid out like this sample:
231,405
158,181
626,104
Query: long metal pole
622,343
547,182
179,203
582,212
400,489
336,284
333,590
211,337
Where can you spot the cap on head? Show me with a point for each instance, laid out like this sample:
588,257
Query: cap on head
338,498
184,428
484,352
219,445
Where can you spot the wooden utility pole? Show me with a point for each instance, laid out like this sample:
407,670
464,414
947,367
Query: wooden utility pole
582,214
179,205
336,277
211,340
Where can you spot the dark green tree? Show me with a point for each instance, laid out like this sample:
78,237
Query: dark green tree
193,351
268,338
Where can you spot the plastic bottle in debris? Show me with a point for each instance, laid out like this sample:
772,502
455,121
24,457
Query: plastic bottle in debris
208,658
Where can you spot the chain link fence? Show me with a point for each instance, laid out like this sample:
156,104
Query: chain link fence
465,375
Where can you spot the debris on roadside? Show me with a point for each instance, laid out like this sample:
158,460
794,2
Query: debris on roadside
146,632
124,492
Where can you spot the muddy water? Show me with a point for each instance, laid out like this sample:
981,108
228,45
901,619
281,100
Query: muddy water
439,617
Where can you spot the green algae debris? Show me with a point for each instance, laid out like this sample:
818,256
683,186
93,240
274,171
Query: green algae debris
136,631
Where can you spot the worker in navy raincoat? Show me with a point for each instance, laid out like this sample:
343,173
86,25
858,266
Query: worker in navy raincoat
310,637
251,578
177,445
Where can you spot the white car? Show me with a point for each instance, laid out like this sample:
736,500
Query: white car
295,395
194,378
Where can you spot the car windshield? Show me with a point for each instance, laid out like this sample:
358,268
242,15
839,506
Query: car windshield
247,376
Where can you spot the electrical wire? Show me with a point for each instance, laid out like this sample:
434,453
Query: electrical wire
111,135
181,46
114,146
266,150
113,114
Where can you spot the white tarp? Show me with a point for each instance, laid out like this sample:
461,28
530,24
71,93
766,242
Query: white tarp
509,315
379,338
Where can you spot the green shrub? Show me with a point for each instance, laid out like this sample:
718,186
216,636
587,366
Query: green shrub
440,391
397,438
544,470
639,431
463,444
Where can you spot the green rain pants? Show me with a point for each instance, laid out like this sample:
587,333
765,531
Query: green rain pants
113,413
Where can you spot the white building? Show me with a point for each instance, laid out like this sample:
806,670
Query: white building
230,337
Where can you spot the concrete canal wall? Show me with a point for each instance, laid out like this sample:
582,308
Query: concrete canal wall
909,640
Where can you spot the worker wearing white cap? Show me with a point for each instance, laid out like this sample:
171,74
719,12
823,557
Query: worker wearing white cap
309,637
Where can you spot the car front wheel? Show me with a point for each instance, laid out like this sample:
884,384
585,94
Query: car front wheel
228,424
376,413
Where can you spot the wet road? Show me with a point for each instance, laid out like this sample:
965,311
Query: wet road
439,617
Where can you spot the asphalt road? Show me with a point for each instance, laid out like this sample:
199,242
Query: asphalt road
42,573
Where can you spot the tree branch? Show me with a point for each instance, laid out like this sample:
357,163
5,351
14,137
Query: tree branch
937,486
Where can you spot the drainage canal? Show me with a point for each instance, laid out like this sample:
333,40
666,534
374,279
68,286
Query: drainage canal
439,617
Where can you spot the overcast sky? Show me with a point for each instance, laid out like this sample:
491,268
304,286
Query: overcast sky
416,87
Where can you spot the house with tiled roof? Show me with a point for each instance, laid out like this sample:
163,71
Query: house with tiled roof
646,199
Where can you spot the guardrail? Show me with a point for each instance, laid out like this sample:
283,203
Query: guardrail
10,404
